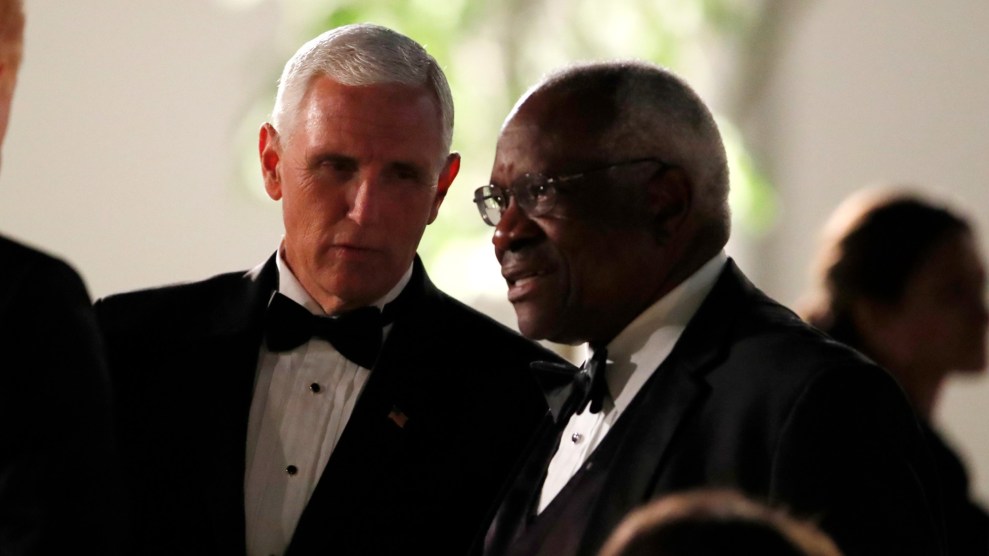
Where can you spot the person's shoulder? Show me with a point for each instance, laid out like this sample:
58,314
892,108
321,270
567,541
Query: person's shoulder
791,339
806,366
19,255
179,308
168,295
774,364
770,340
499,339
492,359
26,269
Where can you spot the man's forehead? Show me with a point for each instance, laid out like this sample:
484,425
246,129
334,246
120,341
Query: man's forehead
528,146
577,106
535,143
326,87
381,104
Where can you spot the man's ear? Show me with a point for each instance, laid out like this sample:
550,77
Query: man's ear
270,153
449,172
669,197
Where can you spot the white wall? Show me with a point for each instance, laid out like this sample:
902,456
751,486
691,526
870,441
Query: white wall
884,90
121,153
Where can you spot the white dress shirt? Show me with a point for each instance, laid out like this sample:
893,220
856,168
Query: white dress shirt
302,401
633,356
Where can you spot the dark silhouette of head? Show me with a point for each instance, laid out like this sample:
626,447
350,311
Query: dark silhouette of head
715,523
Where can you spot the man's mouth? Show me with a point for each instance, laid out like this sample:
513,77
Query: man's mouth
352,247
351,244
523,281
521,278
351,252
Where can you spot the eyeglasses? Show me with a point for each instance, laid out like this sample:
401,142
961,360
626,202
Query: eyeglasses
537,194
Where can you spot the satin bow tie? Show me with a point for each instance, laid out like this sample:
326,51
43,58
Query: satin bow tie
356,334
569,389
591,383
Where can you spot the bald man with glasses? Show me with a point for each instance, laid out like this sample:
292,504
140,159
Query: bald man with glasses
608,199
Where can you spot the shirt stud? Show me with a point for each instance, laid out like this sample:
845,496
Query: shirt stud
576,437
291,470
315,388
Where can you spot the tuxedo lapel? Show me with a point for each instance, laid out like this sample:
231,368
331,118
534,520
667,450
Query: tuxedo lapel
521,497
431,438
653,418
228,355
402,392
651,423
631,456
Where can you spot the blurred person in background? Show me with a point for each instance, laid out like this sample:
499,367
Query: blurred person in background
900,278
57,470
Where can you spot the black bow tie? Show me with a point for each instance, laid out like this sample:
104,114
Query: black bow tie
355,334
570,390
591,384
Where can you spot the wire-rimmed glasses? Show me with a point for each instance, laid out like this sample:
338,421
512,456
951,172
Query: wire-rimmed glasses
537,194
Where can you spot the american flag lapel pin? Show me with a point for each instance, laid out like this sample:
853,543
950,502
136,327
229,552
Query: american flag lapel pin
398,417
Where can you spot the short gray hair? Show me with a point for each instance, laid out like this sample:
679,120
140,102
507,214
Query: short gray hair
651,113
359,55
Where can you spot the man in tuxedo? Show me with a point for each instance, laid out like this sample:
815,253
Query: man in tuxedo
257,413
57,488
609,201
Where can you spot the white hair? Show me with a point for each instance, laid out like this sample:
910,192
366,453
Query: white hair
662,113
359,55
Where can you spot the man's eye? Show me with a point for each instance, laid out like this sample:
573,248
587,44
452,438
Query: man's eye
538,190
405,173
339,166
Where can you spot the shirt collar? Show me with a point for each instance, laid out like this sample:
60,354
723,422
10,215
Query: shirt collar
646,342
289,286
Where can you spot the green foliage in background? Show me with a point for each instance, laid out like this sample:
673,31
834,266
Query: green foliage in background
493,50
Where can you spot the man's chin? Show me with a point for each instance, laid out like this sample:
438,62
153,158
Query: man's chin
974,367
351,292
530,325
534,324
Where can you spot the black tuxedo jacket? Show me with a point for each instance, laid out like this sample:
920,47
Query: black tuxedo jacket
751,398
183,360
57,469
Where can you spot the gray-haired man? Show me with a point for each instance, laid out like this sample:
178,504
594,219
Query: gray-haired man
253,415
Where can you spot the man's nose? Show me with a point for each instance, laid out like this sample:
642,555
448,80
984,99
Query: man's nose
363,199
515,228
